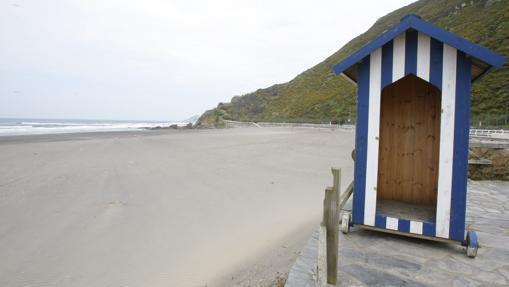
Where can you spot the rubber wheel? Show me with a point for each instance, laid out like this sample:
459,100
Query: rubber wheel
471,251
345,223
472,244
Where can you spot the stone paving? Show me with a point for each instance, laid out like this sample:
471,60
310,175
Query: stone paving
369,258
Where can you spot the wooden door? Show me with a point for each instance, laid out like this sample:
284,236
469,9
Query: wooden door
409,142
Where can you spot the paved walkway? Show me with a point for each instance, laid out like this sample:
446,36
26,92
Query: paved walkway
370,258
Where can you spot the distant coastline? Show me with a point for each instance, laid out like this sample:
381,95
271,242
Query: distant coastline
27,126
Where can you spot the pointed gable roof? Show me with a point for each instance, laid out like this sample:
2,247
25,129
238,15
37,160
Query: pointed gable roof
482,58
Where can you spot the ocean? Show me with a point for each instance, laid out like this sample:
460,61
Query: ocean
23,126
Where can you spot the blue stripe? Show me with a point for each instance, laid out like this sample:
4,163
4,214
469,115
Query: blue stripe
428,229
460,155
387,55
361,142
380,221
404,225
436,63
411,52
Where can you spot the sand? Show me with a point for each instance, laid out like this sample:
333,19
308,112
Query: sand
163,208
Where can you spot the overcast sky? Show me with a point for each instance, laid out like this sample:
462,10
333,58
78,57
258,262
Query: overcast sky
162,60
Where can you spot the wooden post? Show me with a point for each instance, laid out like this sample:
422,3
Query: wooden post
327,205
331,222
322,257
336,179
328,237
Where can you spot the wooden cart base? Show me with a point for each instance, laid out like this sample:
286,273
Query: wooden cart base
470,242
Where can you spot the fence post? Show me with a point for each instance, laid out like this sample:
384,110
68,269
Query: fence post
331,221
336,181
322,256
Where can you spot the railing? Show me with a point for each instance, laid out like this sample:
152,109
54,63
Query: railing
491,133
495,134
306,125
234,124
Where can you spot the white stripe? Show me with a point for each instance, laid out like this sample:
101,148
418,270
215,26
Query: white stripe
423,52
375,78
391,223
446,142
416,227
398,58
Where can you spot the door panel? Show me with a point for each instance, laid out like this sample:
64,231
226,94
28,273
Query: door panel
409,142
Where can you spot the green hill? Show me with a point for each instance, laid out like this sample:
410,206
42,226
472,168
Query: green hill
319,95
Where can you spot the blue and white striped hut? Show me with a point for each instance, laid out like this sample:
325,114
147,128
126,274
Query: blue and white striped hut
413,129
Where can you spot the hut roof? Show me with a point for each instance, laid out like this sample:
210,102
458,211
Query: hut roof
482,58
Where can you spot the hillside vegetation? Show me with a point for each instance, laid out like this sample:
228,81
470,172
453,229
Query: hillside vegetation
319,95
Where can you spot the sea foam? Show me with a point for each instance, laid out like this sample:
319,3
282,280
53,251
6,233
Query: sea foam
10,127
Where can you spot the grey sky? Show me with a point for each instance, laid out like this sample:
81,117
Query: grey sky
162,60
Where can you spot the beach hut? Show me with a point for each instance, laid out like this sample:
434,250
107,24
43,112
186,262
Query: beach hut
413,104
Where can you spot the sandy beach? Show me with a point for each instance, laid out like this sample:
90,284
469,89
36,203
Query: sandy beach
163,208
